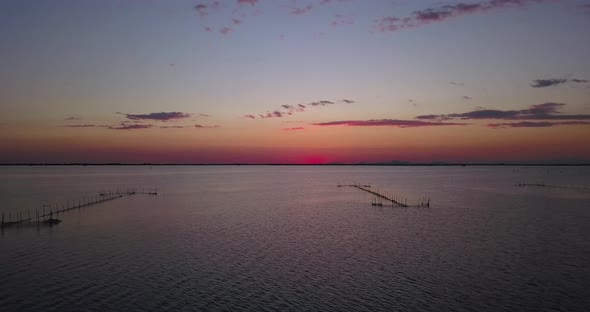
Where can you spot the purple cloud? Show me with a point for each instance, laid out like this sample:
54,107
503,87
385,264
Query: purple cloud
340,19
543,83
545,111
206,127
86,126
321,103
302,10
250,2
288,110
387,123
126,126
162,116
443,12
204,9
536,124
293,129
273,114
224,30
172,127
324,2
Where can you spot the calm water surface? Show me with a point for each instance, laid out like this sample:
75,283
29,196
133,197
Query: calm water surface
268,238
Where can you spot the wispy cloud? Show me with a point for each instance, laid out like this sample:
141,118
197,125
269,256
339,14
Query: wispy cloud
459,84
204,115
388,123
205,8
341,20
545,111
301,10
206,127
537,124
85,126
250,2
444,12
271,115
161,116
324,2
293,129
71,118
543,83
321,103
288,110
127,126
465,97
172,127
231,14
122,126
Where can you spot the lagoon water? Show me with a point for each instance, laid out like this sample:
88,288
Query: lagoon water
285,238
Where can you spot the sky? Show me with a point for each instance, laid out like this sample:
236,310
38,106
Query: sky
294,81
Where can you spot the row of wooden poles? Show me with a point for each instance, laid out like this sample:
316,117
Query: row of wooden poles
393,199
48,212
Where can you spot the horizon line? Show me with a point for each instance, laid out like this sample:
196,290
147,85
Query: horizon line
440,164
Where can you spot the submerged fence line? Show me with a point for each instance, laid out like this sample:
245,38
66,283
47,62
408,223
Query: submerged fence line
393,199
43,216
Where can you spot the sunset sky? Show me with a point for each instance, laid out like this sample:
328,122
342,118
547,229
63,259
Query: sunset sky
294,81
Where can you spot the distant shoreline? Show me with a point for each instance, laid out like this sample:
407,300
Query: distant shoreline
320,165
